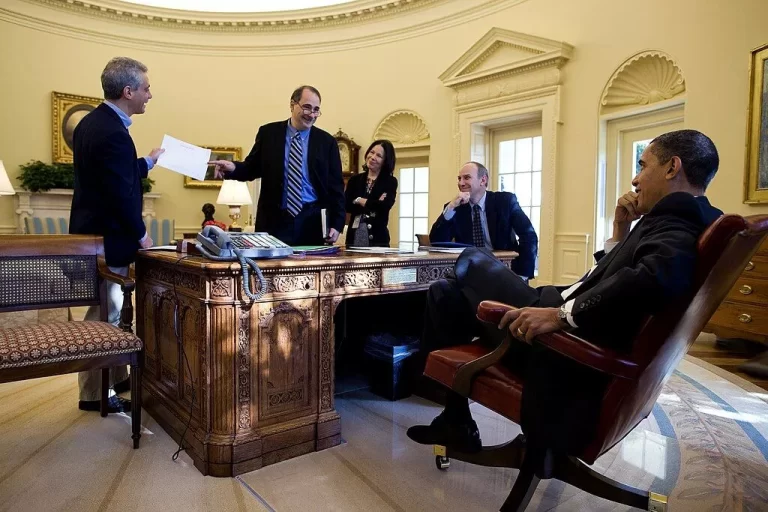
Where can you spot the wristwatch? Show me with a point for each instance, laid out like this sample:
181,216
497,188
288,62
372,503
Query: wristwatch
562,314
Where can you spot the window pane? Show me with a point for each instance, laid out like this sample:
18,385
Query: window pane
506,156
406,230
536,197
421,179
406,205
523,154
506,182
406,180
420,205
637,150
420,226
523,188
536,219
537,153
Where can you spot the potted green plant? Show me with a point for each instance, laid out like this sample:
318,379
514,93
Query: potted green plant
37,176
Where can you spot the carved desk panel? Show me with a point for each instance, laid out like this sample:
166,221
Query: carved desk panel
258,378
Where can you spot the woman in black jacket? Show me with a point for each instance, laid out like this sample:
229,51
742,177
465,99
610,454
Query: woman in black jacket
369,197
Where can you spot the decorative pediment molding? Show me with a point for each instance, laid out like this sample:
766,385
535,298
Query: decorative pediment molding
403,128
648,77
501,53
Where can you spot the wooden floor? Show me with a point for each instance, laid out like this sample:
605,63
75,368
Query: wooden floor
728,355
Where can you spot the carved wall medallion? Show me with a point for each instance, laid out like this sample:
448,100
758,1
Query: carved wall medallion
403,127
429,273
645,78
244,370
220,288
359,279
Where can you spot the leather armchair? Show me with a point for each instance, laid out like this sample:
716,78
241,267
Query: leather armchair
635,379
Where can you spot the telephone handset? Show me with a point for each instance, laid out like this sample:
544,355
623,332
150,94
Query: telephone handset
216,244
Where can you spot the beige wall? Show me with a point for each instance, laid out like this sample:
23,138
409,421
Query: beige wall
221,100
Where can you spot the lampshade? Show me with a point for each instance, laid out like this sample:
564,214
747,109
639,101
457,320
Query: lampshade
6,189
234,193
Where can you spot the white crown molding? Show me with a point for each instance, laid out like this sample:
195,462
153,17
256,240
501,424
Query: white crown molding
647,77
544,53
403,128
46,18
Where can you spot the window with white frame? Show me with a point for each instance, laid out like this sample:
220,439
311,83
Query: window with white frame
519,171
413,196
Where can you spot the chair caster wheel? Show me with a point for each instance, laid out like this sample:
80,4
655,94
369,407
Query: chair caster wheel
442,463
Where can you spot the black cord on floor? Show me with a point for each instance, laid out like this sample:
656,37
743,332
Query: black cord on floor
177,333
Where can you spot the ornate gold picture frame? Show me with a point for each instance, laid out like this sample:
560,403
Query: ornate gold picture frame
217,153
68,110
756,176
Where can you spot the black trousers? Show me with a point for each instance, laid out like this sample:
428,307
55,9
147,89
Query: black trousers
557,390
304,229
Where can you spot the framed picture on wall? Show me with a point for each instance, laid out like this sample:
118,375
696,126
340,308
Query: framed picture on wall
68,111
756,179
217,153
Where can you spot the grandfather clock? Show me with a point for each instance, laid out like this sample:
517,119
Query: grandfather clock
349,152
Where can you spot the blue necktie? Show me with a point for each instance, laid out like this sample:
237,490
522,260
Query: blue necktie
293,179
478,237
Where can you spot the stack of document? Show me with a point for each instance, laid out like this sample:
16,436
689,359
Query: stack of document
316,250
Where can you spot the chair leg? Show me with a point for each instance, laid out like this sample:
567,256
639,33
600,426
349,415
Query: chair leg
136,399
525,484
104,391
572,471
507,455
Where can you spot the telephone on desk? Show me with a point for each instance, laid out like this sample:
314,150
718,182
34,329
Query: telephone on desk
216,244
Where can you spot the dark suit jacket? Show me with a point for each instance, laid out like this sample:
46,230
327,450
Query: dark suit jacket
652,268
267,161
375,213
506,223
108,198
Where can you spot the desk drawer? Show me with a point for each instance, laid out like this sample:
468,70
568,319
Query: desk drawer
742,317
757,267
750,290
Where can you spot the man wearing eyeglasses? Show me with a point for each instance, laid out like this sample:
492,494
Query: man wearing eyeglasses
300,170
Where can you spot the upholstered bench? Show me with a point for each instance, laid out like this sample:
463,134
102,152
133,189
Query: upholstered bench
55,271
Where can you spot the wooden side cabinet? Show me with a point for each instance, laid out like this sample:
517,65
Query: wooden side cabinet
744,312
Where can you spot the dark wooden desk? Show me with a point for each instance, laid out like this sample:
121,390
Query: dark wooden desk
262,373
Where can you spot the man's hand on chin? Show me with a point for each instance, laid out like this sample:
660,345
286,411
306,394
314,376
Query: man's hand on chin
527,323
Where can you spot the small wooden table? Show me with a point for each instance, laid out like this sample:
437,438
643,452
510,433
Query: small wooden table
262,374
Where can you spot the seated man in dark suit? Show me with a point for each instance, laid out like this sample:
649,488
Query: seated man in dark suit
642,271
479,217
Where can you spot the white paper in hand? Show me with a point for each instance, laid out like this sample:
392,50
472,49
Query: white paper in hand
184,158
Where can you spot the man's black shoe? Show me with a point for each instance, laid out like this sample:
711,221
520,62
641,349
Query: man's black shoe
463,436
114,404
122,387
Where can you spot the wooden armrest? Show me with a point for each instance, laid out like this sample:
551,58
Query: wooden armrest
126,283
601,359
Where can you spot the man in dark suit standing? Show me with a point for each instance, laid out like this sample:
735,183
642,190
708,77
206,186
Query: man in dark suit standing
641,272
107,200
300,170
494,220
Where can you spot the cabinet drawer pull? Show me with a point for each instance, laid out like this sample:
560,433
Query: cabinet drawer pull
749,266
745,318
745,289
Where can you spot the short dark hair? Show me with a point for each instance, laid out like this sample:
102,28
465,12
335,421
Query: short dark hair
119,73
695,150
296,96
388,165
481,170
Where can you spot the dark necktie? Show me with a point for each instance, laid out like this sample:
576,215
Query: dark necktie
478,238
293,179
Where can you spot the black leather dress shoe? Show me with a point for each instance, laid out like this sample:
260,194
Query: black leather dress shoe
463,436
122,387
114,404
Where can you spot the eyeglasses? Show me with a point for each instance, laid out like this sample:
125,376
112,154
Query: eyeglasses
309,111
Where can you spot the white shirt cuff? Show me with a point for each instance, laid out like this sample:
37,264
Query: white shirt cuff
146,235
448,213
609,245
568,306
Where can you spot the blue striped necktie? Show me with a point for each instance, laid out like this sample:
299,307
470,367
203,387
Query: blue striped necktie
293,179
